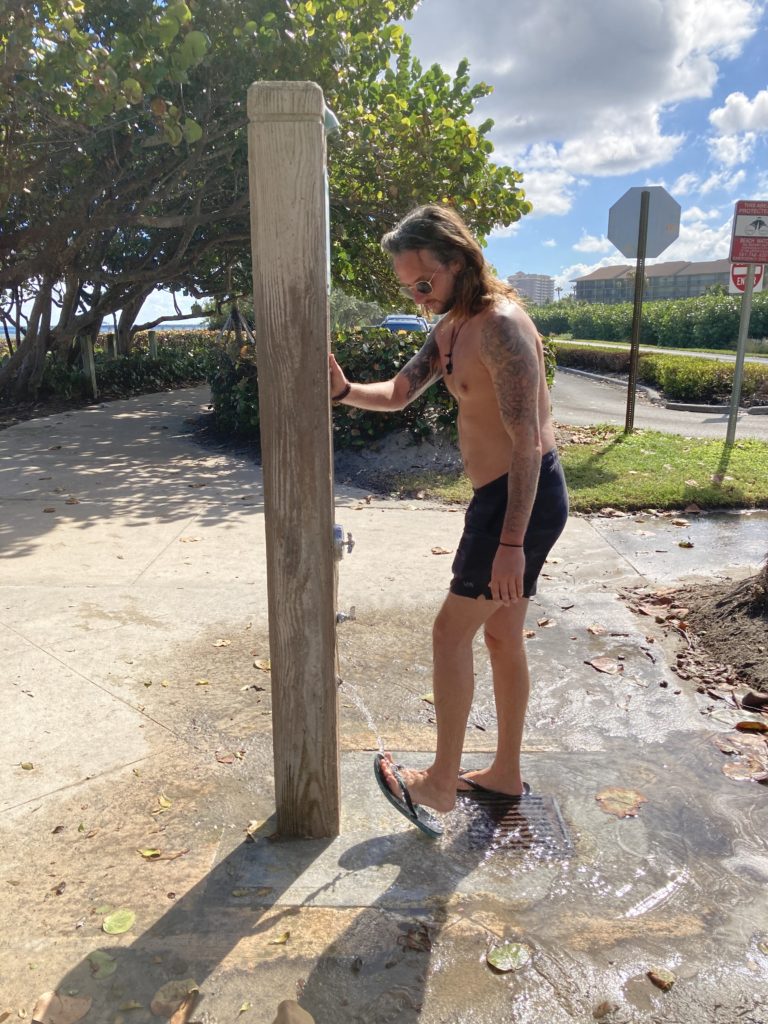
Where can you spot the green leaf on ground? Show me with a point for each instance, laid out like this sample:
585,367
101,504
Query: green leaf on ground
118,922
510,956
102,964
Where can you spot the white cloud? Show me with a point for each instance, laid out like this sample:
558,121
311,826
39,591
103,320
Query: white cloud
592,79
732,149
695,213
722,181
741,114
506,232
700,240
591,243
568,274
550,243
686,183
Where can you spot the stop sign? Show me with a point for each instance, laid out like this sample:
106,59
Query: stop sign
663,221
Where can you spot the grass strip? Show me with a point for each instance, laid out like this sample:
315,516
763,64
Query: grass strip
644,470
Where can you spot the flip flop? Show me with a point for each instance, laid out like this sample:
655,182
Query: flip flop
417,815
475,787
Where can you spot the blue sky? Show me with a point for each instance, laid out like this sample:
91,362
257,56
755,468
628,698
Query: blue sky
592,97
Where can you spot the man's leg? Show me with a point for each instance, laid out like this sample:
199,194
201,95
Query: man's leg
455,627
511,685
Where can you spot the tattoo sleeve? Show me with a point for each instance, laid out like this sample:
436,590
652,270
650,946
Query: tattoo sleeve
509,353
423,369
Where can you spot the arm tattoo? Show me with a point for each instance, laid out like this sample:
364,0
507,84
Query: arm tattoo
511,357
423,369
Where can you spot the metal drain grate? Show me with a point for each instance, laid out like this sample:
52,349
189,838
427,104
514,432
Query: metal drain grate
529,824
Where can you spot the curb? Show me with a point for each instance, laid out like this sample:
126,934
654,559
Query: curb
655,396
617,382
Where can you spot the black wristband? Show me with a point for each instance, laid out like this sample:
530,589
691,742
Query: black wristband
342,394
503,544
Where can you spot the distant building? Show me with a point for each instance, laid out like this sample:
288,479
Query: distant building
537,288
678,280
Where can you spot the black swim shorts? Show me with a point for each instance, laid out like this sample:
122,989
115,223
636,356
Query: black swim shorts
483,525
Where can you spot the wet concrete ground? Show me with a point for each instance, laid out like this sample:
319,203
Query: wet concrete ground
121,695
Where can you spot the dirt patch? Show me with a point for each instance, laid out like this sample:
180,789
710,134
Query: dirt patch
731,623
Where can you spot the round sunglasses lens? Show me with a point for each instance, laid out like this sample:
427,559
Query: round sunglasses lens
423,287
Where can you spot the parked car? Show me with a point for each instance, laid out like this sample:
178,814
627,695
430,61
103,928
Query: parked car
404,322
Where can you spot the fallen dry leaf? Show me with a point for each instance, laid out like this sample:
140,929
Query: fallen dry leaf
597,630
750,726
624,803
51,1008
184,1012
545,623
607,665
280,940
440,551
529,633
263,664
746,769
662,978
222,643
169,999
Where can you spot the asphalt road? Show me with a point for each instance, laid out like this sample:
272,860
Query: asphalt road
583,401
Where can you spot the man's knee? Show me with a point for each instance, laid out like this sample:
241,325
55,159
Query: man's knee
502,641
449,630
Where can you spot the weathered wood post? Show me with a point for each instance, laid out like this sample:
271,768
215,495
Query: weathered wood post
152,341
289,237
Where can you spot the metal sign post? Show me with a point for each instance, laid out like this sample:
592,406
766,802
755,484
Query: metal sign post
741,347
637,312
749,246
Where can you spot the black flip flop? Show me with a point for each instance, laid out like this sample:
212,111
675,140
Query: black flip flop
417,815
475,787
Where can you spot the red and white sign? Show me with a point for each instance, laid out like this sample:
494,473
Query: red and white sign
749,241
738,281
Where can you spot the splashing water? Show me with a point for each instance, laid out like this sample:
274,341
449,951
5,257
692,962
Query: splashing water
353,692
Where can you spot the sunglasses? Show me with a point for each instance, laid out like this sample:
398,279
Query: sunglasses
420,287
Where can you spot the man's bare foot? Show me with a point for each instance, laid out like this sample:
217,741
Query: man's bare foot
420,785
488,779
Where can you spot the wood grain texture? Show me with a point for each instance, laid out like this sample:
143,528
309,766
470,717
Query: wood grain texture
289,233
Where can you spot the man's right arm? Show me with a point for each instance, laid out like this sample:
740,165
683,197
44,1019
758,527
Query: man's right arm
422,370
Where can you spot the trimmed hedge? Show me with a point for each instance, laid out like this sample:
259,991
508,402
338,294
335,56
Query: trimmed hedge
710,321
680,378
366,355
183,358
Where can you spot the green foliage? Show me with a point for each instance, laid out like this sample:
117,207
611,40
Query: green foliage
710,321
143,105
184,358
679,378
366,355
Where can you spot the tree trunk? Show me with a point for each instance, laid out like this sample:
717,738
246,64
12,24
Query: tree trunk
21,376
128,314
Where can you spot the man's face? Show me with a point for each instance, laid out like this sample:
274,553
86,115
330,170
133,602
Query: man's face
420,265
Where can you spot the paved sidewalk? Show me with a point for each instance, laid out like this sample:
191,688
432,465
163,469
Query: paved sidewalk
136,717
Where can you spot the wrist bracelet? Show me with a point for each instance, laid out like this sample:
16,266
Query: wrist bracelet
503,544
342,394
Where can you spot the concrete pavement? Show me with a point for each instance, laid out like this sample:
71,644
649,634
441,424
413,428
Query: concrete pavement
136,718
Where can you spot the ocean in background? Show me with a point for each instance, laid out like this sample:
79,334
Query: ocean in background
189,325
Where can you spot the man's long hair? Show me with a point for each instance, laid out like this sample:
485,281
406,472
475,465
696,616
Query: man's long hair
441,231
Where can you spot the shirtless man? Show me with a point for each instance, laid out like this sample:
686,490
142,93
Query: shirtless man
489,354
